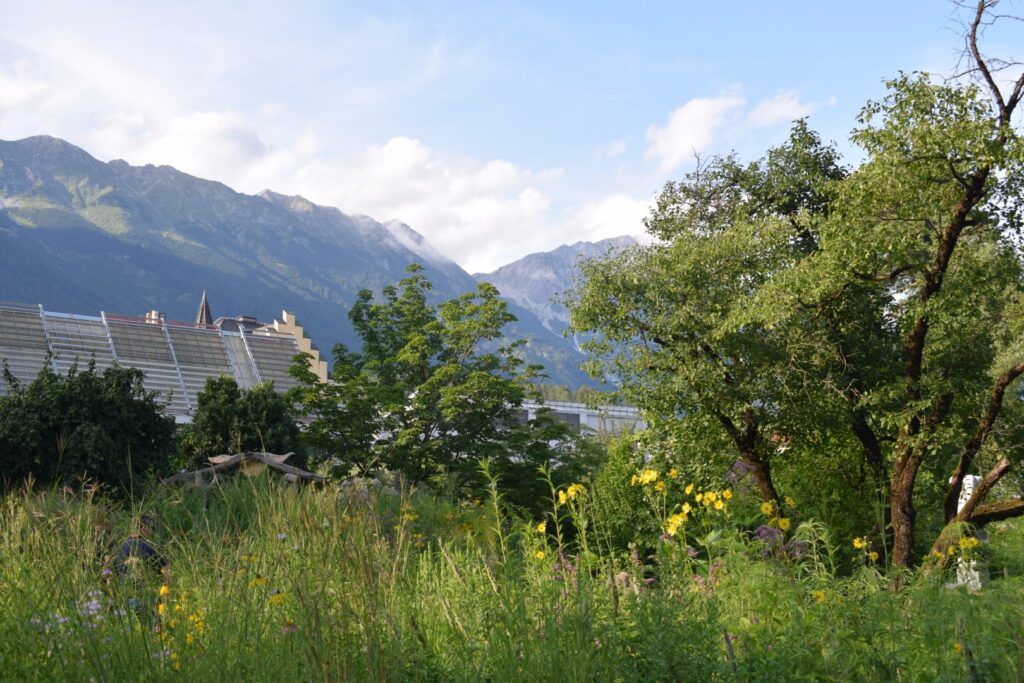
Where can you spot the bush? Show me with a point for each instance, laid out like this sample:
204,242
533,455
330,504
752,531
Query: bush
231,420
103,427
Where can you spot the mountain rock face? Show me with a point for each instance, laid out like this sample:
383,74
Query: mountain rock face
78,235
536,281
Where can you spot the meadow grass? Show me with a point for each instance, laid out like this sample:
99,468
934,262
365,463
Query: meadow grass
272,583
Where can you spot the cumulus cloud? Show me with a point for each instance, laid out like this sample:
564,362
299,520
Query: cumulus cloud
782,107
691,129
612,150
700,124
610,216
476,212
19,85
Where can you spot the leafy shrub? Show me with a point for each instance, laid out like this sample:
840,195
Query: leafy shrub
101,426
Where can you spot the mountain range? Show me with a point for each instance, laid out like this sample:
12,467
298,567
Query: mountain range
78,234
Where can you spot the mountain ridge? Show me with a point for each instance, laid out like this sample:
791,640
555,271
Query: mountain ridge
78,234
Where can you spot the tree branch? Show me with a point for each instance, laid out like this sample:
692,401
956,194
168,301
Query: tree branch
971,449
995,512
982,489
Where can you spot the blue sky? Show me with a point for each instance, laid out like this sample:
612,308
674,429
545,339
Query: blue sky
493,129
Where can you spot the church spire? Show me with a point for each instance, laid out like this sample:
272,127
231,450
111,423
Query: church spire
203,315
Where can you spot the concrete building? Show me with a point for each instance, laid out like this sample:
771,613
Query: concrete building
596,421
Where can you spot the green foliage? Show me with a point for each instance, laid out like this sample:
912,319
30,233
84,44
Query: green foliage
277,583
811,321
229,420
432,394
100,426
619,508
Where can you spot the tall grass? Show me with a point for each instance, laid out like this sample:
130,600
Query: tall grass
269,582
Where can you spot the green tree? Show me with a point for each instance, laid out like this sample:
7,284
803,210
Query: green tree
229,420
813,321
99,426
668,314
433,392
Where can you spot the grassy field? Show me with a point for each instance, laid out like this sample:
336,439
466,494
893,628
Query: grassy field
271,583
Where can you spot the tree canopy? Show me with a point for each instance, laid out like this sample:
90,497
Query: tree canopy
433,392
87,425
851,335
230,420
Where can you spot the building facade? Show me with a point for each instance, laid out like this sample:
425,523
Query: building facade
176,357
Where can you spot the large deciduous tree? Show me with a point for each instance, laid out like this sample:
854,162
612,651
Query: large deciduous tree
432,393
871,318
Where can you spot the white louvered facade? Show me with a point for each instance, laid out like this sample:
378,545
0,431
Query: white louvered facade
176,358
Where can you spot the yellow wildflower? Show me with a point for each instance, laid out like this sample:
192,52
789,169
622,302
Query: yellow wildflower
859,543
173,623
542,527
818,596
790,502
767,508
189,638
562,498
689,489
784,524
727,494
633,480
674,522
956,647
648,476
873,556
539,554
660,486
575,490
967,543
719,505
200,625
161,608
699,497
710,497
673,473
277,599
164,590
260,580
409,517
951,551
686,508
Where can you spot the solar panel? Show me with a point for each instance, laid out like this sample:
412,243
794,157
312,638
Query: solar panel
273,356
145,346
200,355
78,340
240,360
175,358
23,342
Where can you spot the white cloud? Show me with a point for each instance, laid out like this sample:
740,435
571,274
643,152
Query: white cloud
699,125
691,129
612,150
20,86
611,216
476,212
782,107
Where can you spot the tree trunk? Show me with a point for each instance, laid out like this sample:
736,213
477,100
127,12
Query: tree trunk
902,513
762,474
